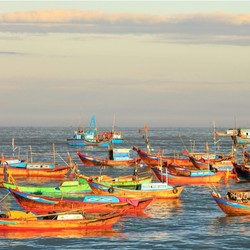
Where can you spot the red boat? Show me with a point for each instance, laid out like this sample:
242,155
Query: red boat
90,203
155,159
187,161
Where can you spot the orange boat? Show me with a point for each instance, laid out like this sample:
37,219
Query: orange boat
155,159
37,170
179,176
90,203
235,203
71,220
156,190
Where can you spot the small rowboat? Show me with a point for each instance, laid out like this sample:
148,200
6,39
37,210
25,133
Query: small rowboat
90,203
236,202
69,189
180,176
21,221
156,190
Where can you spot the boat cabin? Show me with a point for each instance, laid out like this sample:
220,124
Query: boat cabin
119,154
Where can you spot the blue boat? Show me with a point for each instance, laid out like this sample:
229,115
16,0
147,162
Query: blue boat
91,137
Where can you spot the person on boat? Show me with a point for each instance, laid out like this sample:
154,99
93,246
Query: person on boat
111,151
5,171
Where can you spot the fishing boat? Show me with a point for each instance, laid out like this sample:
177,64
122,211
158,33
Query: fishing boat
156,190
225,166
235,202
30,168
187,161
15,220
66,189
128,181
91,136
242,171
116,157
240,136
89,203
174,175
154,159
37,170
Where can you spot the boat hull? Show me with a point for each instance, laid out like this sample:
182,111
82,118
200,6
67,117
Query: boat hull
90,203
88,160
242,172
108,221
154,160
170,193
172,179
232,208
129,181
66,189
57,172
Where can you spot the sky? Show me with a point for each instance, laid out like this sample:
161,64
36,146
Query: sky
160,63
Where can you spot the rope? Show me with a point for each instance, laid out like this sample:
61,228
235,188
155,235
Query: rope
4,197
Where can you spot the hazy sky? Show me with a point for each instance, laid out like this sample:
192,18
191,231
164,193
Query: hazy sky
161,63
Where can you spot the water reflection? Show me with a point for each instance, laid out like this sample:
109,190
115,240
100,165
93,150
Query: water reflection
59,234
161,208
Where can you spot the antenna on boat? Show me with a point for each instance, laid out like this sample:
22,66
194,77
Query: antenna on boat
182,142
54,153
31,157
113,125
13,147
215,139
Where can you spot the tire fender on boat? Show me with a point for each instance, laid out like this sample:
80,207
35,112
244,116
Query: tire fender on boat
111,190
175,190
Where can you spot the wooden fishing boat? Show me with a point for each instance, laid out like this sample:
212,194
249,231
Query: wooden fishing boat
242,171
225,166
89,203
240,136
118,157
69,189
116,137
128,181
174,175
229,133
235,203
37,170
69,220
156,190
185,161
155,159
32,169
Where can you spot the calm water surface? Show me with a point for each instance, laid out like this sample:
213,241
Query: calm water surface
192,222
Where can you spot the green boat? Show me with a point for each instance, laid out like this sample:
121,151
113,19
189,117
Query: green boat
69,189
129,181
